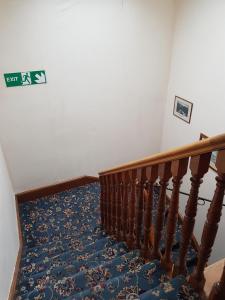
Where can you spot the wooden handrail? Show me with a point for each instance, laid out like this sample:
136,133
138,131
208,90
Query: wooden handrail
197,148
127,204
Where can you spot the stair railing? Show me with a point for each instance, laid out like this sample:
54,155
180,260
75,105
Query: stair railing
127,200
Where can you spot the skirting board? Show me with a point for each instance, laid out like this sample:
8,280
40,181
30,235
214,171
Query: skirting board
55,188
32,195
15,275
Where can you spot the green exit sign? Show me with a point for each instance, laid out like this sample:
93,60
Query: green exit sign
25,78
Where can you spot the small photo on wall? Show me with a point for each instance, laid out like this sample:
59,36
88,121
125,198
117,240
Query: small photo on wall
213,156
182,109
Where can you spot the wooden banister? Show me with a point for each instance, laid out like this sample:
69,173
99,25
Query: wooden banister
119,206
139,206
131,218
126,181
127,198
152,174
113,182
102,200
197,279
204,146
179,169
164,175
199,166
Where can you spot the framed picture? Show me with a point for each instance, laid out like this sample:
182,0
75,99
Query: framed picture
182,109
213,156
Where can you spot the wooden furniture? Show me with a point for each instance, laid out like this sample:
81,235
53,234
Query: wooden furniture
130,205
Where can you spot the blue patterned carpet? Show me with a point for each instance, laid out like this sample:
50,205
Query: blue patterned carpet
67,255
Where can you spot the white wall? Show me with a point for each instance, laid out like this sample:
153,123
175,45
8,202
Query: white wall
197,74
9,244
107,64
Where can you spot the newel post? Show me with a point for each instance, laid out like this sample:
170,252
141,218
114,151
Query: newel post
199,166
178,169
197,279
164,175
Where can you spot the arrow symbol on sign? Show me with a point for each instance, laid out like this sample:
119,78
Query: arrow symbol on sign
40,78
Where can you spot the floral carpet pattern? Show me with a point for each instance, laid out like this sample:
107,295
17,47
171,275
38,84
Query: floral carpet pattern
67,255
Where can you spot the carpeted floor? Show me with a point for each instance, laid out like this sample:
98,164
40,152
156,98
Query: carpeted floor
67,256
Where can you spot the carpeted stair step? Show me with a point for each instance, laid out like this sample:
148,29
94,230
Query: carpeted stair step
96,274
87,195
45,218
175,289
67,255
30,268
46,234
126,286
54,248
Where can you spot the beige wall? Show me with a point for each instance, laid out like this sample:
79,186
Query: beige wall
9,244
198,74
107,65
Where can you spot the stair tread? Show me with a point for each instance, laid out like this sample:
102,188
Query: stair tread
56,214
95,246
132,282
87,277
68,256
176,288
54,248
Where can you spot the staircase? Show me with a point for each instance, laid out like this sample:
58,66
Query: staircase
68,256
122,238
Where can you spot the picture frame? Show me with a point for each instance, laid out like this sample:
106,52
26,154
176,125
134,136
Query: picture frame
182,109
213,156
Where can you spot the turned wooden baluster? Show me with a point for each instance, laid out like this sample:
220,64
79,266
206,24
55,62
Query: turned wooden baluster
164,175
113,180
109,206
102,201
199,166
116,203
126,181
218,290
178,169
152,174
197,279
139,206
131,217
106,202
119,206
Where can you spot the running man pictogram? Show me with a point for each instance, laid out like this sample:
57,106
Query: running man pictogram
26,80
